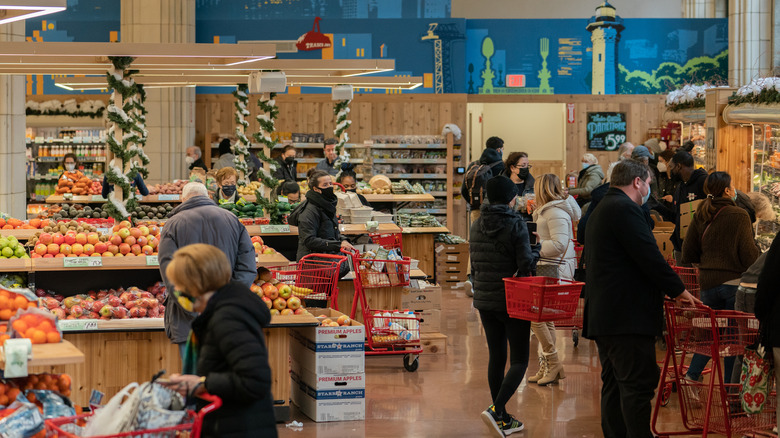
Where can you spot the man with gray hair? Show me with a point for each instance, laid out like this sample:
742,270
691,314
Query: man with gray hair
590,177
193,158
624,153
199,220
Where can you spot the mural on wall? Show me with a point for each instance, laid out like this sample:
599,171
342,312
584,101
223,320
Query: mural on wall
604,54
326,9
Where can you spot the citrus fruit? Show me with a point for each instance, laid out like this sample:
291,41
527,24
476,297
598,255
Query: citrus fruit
52,337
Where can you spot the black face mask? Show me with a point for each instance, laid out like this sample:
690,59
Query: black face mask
523,173
352,190
289,160
228,190
327,193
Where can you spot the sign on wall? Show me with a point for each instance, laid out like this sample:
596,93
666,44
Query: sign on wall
606,131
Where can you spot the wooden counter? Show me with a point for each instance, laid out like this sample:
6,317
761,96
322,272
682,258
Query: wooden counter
418,244
425,197
97,199
52,354
20,234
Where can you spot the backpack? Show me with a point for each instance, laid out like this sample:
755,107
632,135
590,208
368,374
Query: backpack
292,219
475,181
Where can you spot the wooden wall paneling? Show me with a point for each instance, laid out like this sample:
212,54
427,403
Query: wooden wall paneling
362,125
409,123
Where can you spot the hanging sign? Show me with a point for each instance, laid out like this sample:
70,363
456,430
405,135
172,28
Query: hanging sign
314,39
606,131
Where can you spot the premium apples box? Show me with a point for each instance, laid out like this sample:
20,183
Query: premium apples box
327,381
421,295
330,358
329,404
353,333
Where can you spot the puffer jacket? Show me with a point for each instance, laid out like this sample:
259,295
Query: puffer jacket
234,359
499,248
554,225
317,232
589,179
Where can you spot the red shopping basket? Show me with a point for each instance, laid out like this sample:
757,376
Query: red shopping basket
387,241
383,273
193,423
540,299
314,277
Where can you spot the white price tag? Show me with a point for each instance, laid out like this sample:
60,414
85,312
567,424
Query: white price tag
82,262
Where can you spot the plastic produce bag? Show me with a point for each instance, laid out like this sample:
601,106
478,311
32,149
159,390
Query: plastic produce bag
160,407
54,405
25,421
117,415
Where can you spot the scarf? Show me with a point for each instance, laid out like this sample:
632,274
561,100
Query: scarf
327,205
190,359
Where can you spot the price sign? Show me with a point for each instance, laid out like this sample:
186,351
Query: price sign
98,198
82,262
168,197
274,229
606,131
70,325
152,260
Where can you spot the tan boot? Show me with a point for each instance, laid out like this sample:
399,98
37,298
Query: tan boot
542,370
554,370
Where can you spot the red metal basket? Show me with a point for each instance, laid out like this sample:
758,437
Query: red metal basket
315,276
540,299
399,329
689,277
388,241
725,412
700,329
383,273
576,321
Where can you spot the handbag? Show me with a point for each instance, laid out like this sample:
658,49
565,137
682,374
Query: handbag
756,378
551,267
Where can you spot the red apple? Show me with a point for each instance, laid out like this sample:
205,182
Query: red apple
271,293
51,303
274,312
300,311
58,238
124,249
144,230
142,312
65,249
130,240
280,304
136,233
45,238
77,249
81,238
59,313
115,239
125,224
70,238
142,241
76,311
135,312
113,249
119,312
100,247
93,238
294,303
107,254
48,256
35,255
114,301
57,256
53,249
287,312
135,249
41,249
268,302
147,250
153,230
154,312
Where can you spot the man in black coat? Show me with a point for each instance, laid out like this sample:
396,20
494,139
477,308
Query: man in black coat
286,166
625,284
491,156
194,159
690,189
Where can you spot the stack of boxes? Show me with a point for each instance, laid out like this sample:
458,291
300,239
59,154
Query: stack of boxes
452,262
328,370
425,299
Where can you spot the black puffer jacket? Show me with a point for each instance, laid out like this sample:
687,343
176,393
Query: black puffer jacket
234,358
767,294
489,156
286,172
499,248
318,231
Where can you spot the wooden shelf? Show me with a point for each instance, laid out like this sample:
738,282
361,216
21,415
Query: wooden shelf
268,260
427,197
410,161
20,234
15,265
109,263
352,229
97,199
425,230
145,324
294,321
254,230
60,353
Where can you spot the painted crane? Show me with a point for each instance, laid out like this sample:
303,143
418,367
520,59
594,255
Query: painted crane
442,35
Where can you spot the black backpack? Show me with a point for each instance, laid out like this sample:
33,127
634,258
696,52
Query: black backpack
475,181
292,219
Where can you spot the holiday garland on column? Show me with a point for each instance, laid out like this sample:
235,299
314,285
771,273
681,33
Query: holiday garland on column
126,136
264,136
341,111
241,147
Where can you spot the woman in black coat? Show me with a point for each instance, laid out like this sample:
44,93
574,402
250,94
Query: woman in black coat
226,353
318,228
768,304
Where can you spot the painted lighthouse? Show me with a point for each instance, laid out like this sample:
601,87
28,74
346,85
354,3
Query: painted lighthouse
605,28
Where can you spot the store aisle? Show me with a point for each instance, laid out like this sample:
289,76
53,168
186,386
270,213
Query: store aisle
448,392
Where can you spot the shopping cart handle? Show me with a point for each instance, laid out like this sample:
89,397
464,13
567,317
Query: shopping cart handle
214,403
350,251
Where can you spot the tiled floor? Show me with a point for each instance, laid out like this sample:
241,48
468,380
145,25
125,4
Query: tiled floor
447,393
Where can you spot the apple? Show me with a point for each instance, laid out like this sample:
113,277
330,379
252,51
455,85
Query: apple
89,248
344,320
154,242
45,238
53,249
268,302
144,230
274,312
70,302
51,303
48,256
123,233
147,250
269,250
142,241
130,240
93,238
284,291
119,312
154,312
271,293
293,303
58,256
136,233
100,247
58,238
76,311
113,249
81,238
119,254
124,249
70,238
65,249
125,224
135,312
93,315
41,249
280,304
107,254
300,311
115,239
287,312
35,255
142,312
114,301
59,313
77,249
135,249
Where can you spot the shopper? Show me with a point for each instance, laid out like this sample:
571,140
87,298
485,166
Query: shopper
226,157
666,185
720,242
226,353
689,189
327,163
500,248
555,214
479,172
226,193
348,179
589,178
517,168
318,228
136,183
290,190
768,308
193,158
624,153
286,166
626,279
198,220
71,165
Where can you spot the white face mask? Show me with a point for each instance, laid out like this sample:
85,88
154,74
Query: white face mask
70,167
662,167
189,160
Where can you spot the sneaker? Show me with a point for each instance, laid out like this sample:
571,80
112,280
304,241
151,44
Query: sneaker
510,425
490,418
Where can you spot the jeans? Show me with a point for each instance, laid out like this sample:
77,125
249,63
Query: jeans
720,297
629,375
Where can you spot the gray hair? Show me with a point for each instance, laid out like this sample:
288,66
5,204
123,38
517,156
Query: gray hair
197,150
192,189
590,158
625,149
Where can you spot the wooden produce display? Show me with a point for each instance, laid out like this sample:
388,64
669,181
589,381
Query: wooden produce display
452,265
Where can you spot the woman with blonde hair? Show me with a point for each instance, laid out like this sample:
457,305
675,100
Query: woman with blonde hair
226,353
555,215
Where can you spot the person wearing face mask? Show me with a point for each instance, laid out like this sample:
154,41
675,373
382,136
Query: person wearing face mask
589,178
71,164
193,158
226,180
290,190
286,166
327,163
720,241
318,228
624,153
517,168
690,187
347,178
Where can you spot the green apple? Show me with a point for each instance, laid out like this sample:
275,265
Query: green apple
285,291
7,252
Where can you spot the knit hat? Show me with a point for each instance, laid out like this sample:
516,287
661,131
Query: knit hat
641,152
501,190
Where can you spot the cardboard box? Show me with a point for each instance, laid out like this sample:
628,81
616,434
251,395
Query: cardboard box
354,333
430,321
453,284
333,358
443,249
663,239
421,296
329,404
457,266
687,211
327,381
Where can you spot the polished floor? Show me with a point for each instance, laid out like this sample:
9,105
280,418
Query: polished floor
445,396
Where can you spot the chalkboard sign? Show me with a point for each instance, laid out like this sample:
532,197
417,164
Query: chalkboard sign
606,131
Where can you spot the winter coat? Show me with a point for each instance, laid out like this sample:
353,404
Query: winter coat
198,163
199,220
687,191
225,160
525,187
233,357
327,167
318,231
285,172
489,156
767,294
596,196
589,179
554,225
626,275
499,248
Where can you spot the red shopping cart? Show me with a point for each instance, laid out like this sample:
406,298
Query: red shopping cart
314,277
387,331
56,427
711,406
689,277
388,241
541,299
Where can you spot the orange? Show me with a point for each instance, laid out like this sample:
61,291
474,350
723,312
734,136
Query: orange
32,304
3,339
5,293
13,393
3,328
52,337
46,379
38,336
5,303
20,326
41,385
30,319
20,302
64,381
33,379
6,314
46,325
4,400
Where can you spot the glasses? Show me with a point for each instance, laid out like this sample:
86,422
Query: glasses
520,166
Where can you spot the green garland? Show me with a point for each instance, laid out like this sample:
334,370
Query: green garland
241,147
267,124
693,104
270,207
341,111
765,96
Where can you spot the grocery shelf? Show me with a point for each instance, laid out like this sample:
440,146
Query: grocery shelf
59,159
14,265
255,230
129,324
416,175
20,234
268,260
317,145
98,199
352,229
425,230
410,161
423,210
60,353
427,197
409,146
105,263
438,193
